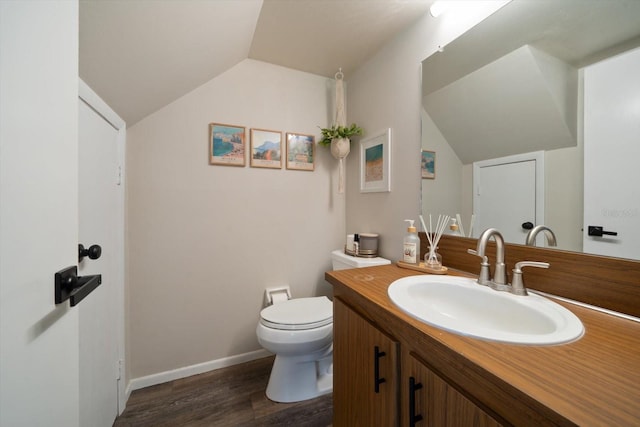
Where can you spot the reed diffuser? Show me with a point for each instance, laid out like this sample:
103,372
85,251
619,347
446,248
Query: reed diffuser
433,260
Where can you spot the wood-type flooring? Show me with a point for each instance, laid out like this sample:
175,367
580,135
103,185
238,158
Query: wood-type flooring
232,396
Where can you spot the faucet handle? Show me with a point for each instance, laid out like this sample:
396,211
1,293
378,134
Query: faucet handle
521,264
484,278
474,252
517,285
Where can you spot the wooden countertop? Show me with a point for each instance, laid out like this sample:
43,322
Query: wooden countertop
594,381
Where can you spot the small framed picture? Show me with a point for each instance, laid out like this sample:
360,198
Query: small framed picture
266,149
428,164
226,145
300,151
375,163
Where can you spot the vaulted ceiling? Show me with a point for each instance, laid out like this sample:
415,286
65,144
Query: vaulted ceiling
140,55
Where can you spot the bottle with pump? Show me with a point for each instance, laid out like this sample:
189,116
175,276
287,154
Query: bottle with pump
455,228
411,247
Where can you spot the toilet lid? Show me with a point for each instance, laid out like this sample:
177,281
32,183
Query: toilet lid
298,314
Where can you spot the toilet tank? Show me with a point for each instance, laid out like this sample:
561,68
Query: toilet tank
342,261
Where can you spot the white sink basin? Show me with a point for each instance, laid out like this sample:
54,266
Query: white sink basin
462,306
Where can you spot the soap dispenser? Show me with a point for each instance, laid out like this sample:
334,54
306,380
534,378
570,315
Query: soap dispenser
411,247
455,228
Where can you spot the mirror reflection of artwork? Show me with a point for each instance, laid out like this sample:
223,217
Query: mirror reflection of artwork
428,163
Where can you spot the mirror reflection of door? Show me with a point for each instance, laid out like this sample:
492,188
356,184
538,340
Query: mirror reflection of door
509,192
611,153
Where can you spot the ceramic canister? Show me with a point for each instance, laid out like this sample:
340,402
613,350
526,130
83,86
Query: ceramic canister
369,243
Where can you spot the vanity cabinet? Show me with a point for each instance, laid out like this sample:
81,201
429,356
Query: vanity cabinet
365,368
369,369
461,381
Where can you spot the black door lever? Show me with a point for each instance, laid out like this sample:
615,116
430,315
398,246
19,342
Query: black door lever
70,286
597,231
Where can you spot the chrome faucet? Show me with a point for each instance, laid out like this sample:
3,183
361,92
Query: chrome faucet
500,273
531,235
499,281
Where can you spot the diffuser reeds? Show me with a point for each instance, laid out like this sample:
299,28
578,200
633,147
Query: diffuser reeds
433,237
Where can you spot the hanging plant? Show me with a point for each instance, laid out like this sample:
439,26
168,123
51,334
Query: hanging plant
337,132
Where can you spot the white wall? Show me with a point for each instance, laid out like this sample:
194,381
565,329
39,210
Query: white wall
442,195
205,241
563,170
564,185
38,211
386,92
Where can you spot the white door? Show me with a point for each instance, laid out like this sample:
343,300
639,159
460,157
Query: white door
611,154
38,212
98,224
509,192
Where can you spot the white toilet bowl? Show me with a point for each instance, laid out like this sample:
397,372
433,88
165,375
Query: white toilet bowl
300,333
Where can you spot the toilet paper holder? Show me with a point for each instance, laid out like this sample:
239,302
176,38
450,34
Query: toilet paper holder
277,294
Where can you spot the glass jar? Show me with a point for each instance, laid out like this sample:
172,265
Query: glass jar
432,259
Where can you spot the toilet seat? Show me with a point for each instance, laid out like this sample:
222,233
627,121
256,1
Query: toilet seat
298,314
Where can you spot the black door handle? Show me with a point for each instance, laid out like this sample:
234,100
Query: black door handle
527,225
377,354
93,252
69,286
413,387
597,231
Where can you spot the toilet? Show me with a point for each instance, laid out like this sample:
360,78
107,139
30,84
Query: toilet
300,333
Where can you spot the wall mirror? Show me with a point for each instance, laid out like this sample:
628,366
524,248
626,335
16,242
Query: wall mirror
513,86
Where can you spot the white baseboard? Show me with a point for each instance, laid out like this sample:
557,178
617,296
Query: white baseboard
125,399
187,371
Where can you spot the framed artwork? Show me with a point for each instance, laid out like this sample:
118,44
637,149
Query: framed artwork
428,164
266,149
300,151
226,145
375,163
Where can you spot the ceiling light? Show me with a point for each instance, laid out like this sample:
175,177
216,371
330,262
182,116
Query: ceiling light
438,8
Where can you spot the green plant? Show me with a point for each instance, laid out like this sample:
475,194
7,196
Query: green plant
338,132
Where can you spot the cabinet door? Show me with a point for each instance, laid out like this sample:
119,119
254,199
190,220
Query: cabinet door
430,401
365,372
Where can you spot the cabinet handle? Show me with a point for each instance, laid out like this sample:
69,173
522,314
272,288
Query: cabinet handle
376,368
413,387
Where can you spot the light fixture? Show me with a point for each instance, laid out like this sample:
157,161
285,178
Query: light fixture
438,8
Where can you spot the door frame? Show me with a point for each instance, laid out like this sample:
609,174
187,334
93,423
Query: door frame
537,156
88,96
